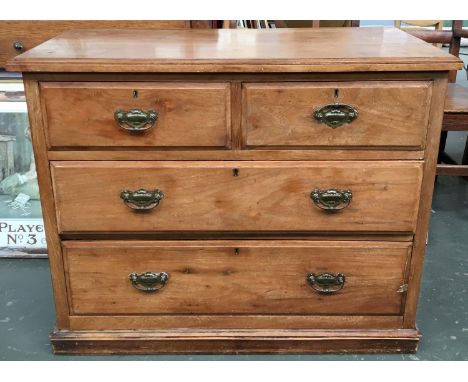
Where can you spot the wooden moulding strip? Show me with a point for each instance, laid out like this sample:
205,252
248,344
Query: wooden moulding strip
235,341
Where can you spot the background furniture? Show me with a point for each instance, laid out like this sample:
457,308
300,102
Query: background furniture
411,24
256,195
455,119
456,103
316,23
263,24
437,24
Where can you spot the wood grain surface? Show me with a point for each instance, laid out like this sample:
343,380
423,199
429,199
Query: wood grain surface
197,154
234,50
31,33
232,321
389,114
189,115
235,341
425,203
265,277
44,179
264,196
456,101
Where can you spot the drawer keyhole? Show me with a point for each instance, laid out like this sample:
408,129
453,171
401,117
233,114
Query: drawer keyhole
235,172
337,94
135,94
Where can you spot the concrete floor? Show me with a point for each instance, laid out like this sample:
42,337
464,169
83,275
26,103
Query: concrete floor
27,310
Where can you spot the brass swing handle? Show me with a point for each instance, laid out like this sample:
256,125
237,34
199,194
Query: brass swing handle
142,200
149,281
336,114
136,120
331,199
326,283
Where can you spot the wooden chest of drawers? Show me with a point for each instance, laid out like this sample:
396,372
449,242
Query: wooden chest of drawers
236,191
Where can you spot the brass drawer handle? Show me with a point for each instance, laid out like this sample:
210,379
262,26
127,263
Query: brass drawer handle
136,120
331,199
142,200
149,281
326,283
336,114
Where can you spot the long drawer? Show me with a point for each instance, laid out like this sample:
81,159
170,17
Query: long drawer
167,196
220,277
374,114
136,114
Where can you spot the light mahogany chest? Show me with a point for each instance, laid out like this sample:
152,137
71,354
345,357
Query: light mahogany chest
235,191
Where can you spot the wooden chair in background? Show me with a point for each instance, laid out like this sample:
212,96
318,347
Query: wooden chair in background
455,119
438,24
418,24
456,103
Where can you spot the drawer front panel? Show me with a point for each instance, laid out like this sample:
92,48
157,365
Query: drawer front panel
387,114
236,196
235,278
183,115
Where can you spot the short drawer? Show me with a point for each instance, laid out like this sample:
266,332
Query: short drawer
122,114
376,114
228,196
219,277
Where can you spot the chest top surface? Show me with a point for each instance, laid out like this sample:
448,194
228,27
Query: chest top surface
228,50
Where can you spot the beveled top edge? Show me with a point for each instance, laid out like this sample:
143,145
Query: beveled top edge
229,50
